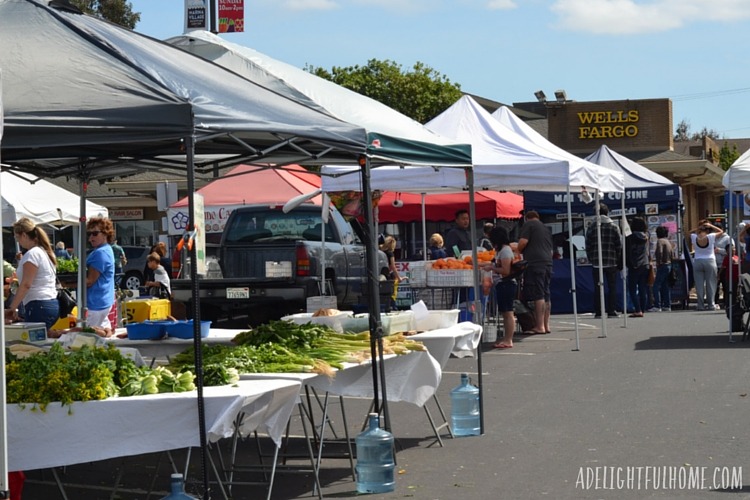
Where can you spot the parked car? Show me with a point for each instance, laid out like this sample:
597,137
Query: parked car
132,277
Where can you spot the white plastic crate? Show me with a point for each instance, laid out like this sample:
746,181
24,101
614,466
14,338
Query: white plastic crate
449,277
281,269
436,320
418,273
334,322
401,321
321,302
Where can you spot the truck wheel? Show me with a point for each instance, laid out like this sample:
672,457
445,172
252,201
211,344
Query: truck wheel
132,280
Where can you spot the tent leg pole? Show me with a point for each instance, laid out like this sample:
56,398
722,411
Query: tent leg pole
573,271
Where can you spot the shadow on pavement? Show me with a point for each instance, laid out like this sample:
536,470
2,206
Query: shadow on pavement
715,341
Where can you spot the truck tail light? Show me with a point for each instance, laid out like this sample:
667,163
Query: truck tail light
303,261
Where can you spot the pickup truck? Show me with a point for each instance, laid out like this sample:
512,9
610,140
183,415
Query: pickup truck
270,263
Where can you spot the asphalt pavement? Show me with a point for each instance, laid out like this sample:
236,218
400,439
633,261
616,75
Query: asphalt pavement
653,410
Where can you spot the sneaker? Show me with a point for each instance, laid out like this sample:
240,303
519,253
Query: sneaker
613,315
653,310
717,307
666,309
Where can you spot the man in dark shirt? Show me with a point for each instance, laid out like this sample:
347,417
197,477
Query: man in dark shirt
459,235
611,259
535,243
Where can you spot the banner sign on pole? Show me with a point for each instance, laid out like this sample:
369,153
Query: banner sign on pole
196,15
231,16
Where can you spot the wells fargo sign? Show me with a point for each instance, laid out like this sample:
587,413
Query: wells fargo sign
608,124
580,127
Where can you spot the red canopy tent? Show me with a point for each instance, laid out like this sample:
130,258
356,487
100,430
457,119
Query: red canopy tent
246,185
442,207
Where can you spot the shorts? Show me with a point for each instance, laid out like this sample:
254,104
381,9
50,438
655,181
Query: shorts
99,319
536,283
505,294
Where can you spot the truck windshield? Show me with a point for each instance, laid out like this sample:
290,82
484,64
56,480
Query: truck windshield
252,226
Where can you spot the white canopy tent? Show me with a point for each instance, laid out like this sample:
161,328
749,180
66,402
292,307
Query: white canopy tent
306,88
502,160
634,175
737,181
24,195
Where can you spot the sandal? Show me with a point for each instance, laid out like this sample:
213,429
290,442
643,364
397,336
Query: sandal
502,345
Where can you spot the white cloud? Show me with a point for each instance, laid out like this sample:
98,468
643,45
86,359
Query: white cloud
627,17
501,4
310,4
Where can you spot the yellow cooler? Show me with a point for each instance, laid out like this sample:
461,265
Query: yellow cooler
137,310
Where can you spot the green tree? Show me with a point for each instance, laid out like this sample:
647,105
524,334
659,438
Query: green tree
682,133
727,155
421,93
116,11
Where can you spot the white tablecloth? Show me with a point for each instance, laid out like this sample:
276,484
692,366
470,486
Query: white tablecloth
461,340
99,430
412,377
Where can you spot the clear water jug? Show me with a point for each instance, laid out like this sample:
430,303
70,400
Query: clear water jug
375,459
178,489
465,408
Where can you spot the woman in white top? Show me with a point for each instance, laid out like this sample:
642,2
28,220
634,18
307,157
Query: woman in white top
37,274
506,288
703,239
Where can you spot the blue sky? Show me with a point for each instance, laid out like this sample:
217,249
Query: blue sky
692,51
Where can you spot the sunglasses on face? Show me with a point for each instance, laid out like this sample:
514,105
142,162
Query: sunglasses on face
92,233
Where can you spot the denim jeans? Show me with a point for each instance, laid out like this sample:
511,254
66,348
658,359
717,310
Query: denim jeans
662,292
638,288
42,311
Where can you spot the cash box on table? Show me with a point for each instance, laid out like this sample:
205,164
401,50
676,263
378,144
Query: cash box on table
138,310
28,332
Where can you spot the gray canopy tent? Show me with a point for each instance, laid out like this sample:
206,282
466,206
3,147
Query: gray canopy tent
88,99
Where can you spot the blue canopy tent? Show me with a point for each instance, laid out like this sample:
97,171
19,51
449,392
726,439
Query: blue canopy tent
642,187
646,193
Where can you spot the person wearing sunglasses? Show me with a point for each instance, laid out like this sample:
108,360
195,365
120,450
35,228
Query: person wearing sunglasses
100,275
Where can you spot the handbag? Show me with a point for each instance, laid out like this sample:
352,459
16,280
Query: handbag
516,269
66,302
673,276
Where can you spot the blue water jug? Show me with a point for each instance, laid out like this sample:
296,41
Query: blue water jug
465,408
375,459
178,489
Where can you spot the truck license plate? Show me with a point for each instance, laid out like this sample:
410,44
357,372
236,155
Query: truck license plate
238,293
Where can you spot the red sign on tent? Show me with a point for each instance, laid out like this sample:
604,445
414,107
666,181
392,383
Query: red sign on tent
231,16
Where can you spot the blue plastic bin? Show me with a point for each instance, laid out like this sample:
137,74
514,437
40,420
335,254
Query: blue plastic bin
184,329
146,330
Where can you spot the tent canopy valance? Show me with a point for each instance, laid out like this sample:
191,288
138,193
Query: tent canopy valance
443,206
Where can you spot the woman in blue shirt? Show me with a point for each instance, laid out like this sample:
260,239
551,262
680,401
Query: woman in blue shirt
100,275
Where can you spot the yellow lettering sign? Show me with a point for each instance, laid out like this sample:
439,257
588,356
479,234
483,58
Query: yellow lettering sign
608,124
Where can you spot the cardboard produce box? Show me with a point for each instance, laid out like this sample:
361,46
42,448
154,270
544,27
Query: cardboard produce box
28,332
138,310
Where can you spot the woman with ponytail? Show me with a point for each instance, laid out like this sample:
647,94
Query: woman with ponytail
37,275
